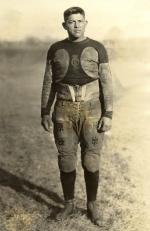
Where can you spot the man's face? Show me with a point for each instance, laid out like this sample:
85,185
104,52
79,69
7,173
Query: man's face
75,25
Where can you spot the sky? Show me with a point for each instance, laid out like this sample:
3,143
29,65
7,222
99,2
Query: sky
43,18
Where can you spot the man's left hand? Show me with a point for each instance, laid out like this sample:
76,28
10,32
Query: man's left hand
104,124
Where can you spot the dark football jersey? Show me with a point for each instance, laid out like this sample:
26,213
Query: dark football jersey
73,72
76,63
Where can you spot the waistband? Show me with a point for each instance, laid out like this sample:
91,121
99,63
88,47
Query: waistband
64,102
78,93
82,104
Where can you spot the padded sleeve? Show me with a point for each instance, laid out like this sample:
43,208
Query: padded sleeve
48,89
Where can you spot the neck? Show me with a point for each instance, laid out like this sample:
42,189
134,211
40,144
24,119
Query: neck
72,39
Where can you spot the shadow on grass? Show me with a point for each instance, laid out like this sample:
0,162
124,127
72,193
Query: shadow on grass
29,189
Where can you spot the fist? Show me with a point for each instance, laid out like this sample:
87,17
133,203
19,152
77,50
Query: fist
45,122
104,124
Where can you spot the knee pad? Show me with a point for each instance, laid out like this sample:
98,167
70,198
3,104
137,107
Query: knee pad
91,162
67,163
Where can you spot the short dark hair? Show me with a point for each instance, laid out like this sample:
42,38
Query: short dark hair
73,10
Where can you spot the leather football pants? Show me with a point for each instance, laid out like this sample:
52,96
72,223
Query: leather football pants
76,123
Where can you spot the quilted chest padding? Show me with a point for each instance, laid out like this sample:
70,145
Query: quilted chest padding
89,62
60,64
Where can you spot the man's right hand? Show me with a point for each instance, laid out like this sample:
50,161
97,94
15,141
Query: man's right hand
45,122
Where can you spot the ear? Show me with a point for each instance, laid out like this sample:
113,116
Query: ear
64,25
86,22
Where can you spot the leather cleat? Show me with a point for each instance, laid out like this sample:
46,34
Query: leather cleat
92,213
66,211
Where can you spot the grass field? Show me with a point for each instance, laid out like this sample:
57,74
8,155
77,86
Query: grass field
30,191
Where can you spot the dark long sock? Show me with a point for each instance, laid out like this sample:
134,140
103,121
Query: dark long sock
68,183
91,181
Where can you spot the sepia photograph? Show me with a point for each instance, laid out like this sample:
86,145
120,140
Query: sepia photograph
74,115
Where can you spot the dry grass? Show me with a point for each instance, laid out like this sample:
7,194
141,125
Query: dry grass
30,192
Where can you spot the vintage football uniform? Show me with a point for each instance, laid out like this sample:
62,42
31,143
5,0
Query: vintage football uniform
73,77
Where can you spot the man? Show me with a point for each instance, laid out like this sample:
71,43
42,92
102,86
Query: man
77,74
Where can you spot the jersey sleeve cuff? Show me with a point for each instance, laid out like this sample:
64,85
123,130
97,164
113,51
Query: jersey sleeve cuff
44,111
108,114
